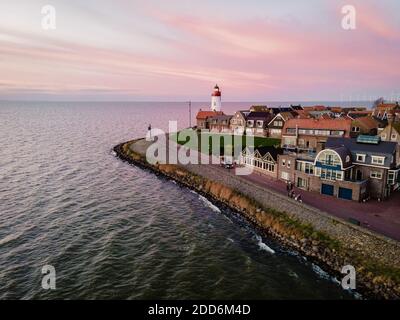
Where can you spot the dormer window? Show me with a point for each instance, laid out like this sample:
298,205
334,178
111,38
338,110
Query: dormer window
378,160
360,157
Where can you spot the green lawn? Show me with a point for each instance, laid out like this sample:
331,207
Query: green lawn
226,141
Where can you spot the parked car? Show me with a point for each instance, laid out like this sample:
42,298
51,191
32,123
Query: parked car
227,162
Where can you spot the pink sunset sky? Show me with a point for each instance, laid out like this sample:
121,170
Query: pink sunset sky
177,50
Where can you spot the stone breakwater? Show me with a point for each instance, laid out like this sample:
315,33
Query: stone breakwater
329,241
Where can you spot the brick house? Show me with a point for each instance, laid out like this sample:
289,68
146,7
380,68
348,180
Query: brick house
371,160
220,123
309,135
364,126
257,123
238,122
202,118
275,126
348,168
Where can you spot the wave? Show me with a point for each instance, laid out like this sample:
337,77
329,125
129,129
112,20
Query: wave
263,246
321,273
209,204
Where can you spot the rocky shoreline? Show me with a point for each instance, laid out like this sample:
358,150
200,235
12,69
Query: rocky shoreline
318,247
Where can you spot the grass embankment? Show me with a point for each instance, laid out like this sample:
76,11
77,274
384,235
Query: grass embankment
375,277
216,143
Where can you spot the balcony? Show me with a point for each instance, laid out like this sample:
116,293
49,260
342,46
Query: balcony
300,154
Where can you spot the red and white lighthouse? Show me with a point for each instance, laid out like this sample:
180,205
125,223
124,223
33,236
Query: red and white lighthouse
216,99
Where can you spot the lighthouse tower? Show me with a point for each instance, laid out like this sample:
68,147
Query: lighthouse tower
216,99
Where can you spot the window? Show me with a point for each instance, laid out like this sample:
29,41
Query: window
378,160
329,158
328,174
394,136
283,162
360,157
383,136
301,183
337,133
393,177
288,164
290,130
355,129
376,175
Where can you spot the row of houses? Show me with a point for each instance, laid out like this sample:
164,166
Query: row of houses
347,168
335,158
353,159
269,122
349,153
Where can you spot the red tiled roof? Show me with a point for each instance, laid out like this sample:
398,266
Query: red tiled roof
315,108
368,123
330,124
366,112
302,114
336,109
386,106
203,115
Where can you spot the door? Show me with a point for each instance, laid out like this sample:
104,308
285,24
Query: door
358,175
345,193
327,189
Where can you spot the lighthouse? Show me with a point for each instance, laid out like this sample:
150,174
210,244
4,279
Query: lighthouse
216,99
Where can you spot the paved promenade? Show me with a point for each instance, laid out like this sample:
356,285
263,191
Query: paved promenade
382,217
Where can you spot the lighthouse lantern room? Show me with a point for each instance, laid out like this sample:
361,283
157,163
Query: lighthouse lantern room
216,99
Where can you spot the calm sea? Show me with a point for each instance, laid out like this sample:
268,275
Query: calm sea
115,231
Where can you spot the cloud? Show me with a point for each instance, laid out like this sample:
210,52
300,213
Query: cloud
179,54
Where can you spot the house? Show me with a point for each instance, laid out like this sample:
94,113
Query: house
276,110
238,122
359,114
257,123
220,123
367,158
276,124
385,111
310,135
347,168
296,107
262,160
202,118
303,138
365,126
259,108
391,132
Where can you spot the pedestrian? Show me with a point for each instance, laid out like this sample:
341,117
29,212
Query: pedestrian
298,198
